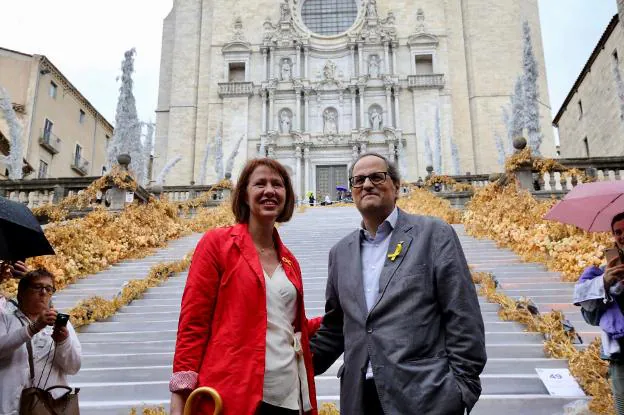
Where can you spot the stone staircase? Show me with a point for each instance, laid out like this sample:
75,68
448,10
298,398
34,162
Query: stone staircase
127,360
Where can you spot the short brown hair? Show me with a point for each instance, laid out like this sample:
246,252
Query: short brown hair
239,198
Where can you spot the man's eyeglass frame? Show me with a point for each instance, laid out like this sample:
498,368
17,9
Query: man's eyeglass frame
352,179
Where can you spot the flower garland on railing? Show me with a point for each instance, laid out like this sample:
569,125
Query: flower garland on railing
586,366
57,212
449,182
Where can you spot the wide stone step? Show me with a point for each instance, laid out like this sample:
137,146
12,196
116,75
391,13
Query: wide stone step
131,359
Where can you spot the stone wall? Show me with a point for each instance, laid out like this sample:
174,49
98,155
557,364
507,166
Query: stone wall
602,119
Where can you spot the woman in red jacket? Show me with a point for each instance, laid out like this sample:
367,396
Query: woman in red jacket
242,328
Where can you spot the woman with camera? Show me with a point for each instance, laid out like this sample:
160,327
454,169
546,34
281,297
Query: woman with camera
38,346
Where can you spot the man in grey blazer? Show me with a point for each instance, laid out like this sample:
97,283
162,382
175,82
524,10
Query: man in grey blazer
401,305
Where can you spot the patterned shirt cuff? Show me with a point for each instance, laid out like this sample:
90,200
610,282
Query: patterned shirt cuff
183,381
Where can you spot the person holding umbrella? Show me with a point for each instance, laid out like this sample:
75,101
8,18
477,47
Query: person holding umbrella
21,237
599,207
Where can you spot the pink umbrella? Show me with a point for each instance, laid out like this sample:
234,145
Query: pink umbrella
590,206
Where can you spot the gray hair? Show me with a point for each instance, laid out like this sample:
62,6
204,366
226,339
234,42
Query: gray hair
393,170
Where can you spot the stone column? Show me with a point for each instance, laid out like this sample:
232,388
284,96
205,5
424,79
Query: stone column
363,121
387,58
389,106
297,123
264,64
352,49
360,61
298,60
353,109
298,173
395,48
271,110
306,115
272,62
306,55
307,173
397,114
263,94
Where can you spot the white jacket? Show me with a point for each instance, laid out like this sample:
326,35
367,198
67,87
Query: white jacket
14,368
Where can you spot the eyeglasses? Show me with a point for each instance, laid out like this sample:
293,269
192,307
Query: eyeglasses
375,178
48,289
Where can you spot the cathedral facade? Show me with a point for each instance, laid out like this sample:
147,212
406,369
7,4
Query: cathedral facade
315,83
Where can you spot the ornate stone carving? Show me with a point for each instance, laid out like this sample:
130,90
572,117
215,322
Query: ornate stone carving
285,121
330,121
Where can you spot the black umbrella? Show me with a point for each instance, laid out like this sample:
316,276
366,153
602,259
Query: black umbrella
21,235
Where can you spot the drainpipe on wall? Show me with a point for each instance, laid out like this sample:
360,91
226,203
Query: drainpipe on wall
34,108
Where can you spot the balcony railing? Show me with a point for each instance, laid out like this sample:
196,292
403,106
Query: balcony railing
433,80
235,89
50,142
80,166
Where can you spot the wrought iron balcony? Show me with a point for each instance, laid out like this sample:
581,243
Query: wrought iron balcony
50,142
425,81
235,89
80,165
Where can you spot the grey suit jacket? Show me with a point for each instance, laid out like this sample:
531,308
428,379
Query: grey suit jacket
424,336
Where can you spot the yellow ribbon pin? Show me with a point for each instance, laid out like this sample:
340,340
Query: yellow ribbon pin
397,251
286,261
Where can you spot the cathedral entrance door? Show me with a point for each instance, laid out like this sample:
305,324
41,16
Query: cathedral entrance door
327,178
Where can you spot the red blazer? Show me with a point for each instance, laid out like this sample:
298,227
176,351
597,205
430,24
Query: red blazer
222,328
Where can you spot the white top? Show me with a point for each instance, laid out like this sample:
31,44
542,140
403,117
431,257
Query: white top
284,381
14,368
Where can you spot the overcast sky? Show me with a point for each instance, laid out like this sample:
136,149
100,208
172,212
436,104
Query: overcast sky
86,41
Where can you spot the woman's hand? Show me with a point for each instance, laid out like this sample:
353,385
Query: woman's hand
613,273
177,404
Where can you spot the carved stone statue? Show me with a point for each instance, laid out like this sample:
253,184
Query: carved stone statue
420,18
330,119
329,70
285,122
286,70
371,9
373,66
375,119
284,12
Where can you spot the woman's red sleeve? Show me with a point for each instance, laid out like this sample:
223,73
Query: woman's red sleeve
198,302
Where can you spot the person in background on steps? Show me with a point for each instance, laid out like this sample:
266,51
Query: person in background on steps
56,351
599,293
243,329
401,304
